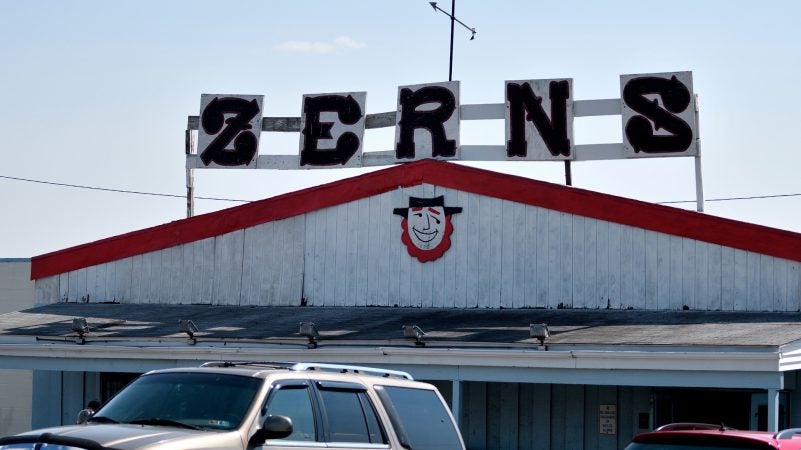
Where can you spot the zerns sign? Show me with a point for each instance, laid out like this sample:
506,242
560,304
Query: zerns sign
658,118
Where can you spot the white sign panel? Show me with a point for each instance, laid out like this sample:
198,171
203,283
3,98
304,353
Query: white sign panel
539,120
608,419
659,115
229,130
427,122
332,130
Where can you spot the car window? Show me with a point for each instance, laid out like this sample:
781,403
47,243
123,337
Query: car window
419,418
295,403
204,400
350,417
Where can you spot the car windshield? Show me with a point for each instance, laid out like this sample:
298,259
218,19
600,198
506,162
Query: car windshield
182,399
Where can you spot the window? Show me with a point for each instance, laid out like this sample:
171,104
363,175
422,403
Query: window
295,403
350,416
419,418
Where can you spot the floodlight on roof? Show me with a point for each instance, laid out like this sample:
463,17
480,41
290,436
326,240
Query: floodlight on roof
80,326
309,330
188,327
539,331
414,332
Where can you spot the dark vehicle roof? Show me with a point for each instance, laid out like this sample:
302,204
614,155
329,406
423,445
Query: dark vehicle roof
715,436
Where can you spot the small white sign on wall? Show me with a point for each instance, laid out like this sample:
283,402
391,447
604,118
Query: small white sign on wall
607,419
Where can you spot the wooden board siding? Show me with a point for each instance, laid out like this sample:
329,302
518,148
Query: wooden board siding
505,416
503,255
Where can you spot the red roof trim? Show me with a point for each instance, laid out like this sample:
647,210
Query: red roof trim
664,219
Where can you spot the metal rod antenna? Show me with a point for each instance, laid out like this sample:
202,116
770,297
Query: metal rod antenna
454,20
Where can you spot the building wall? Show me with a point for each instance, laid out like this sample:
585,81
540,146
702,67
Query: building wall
502,416
503,254
16,293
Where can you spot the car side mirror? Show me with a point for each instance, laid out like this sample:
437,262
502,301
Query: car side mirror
274,427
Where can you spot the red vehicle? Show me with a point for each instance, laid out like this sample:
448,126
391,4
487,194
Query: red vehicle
697,436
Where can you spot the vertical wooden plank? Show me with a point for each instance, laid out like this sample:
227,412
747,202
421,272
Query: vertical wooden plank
727,275
90,292
187,273
753,284
384,221
565,296
602,268
554,258
767,291
740,280
794,286
579,263
780,285
639,275
534,421
509,237
256,267
614,264
627,270
559,430
474,418
363,250
394,245
47,290
508,400
701,277
228,255
330,278
520,254
715,278
486,222
461,241
543,246
64,288
574,416
292,272
676,273
405,262
495,409
203,287
652,267
81,276
591,406
344,240
474,262
591,291
688,273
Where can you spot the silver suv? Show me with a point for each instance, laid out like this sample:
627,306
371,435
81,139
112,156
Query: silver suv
246,405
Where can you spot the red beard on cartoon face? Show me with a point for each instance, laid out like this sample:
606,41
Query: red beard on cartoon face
427,244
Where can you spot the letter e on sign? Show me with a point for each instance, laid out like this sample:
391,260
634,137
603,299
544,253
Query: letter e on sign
229,130
658,115
332,130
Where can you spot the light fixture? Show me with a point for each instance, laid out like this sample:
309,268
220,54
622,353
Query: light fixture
414,332
309,330
80,326
539,331
188,327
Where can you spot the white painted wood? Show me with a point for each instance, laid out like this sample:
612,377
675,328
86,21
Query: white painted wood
715,278
503,254
689,274
579,262
652,266
228,255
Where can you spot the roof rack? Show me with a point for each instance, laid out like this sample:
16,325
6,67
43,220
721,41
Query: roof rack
269,364
787,434
355,369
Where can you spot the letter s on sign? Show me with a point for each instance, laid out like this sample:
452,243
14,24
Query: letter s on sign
658,114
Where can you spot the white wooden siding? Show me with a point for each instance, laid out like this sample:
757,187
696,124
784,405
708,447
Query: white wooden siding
503,255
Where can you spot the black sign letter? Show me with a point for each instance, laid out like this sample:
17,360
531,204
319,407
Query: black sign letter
432,120
348,111
525,105
212,121
675,97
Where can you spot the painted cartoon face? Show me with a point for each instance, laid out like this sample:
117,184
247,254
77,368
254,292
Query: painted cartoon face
426,226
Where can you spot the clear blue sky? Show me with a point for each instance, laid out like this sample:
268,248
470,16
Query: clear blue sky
97,93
